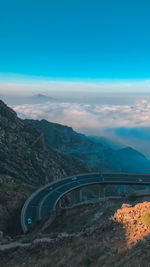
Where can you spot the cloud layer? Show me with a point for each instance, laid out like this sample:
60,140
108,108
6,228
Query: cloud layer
89,118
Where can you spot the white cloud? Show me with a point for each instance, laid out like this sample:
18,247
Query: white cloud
89,118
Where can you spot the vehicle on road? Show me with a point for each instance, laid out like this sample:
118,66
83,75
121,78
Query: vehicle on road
29,221
74,178
140,180
45,202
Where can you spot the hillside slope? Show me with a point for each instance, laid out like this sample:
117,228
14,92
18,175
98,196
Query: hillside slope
25,156
110,233
26,163
64,138
67,141
92,151
133,161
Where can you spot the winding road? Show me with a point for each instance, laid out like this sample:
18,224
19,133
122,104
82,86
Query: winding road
43,201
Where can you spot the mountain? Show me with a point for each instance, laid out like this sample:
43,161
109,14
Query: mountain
25,156
133,161
40,98
65,140
33,153
96,154
26,163
137,137
21,100
106,142
36,152
130,152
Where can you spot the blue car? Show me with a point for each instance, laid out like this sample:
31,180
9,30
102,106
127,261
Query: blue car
29,221
140,180
74,178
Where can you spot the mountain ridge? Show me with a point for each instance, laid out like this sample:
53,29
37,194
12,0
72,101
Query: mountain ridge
25,156
96,155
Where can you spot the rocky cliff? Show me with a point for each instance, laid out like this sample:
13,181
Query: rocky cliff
98,156
25,156
26,161
65,140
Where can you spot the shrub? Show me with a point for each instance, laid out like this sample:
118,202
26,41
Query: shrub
121,252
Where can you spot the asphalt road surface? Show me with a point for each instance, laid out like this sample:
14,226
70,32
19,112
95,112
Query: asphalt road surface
43,201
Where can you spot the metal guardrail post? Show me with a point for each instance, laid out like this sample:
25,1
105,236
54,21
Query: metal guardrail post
102,191
76,196
80,192
59,203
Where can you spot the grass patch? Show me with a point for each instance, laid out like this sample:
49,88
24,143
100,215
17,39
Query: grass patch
71,223
92,255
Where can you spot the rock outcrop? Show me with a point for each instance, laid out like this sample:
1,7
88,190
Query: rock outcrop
25,156
135,220
26,160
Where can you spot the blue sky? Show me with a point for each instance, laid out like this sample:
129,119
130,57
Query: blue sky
75,40
74,50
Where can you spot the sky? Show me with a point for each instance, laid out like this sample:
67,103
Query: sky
93,57
74,40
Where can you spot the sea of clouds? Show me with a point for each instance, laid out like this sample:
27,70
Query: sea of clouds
89,118
128,124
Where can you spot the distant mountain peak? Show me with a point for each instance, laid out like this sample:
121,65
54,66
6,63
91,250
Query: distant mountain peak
40,96
129,150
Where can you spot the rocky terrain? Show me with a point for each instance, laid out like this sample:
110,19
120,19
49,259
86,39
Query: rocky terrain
65,140
110,233
12,197
26,162
135,220
99,156
25,156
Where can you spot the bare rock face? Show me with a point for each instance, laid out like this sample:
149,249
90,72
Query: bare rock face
25,160
65,140
25,156
135,220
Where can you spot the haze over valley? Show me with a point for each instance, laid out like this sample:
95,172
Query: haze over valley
121,118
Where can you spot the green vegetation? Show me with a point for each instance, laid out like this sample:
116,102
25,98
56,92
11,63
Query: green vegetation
71,223
77,253
82,252
10,186
106,246
93,253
